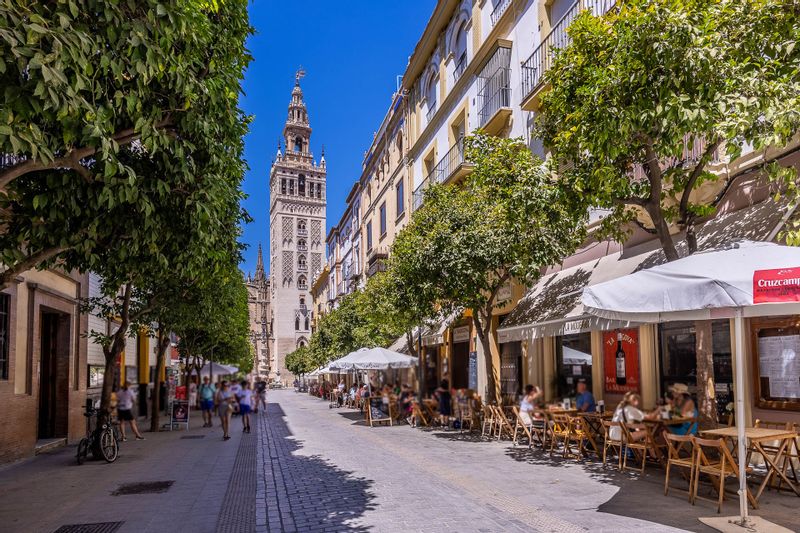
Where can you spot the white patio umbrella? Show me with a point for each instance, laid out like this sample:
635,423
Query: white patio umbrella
714,284
217,369
374,359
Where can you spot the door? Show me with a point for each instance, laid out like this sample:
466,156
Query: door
48,372
460,365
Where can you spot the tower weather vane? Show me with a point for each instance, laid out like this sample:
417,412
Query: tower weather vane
299,75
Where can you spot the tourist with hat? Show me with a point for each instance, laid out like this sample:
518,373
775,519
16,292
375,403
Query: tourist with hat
685,407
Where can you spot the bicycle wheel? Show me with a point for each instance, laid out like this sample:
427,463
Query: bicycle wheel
108,445
83,450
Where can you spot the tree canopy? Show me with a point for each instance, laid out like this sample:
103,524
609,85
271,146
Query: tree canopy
507,221
645,98
106,104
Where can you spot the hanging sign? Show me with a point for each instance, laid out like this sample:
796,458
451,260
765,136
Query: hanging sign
461,334
778,285
621,360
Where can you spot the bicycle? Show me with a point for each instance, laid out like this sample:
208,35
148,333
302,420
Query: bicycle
102,441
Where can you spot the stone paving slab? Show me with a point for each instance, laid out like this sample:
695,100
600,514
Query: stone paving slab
404,479
51,490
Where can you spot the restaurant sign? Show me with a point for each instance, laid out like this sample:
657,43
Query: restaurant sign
777,285
621,360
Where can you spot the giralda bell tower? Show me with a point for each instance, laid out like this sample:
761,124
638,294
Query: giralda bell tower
297,233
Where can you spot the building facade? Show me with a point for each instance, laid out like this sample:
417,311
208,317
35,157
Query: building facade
297,244
258,294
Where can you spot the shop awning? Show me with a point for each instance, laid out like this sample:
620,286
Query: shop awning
433,335
553,306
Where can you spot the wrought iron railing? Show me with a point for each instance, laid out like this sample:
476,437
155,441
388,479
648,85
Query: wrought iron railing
494,95
446,167
498,10
431,111
541,59
302,232
461,66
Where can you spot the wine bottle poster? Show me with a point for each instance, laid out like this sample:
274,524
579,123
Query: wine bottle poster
621,366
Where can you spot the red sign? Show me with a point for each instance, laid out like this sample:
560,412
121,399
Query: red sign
180,392
621,360
778,285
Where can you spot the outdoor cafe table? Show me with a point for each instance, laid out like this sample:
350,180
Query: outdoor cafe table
654,427
757,437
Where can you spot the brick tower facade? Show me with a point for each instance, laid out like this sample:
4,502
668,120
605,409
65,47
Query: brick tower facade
297,234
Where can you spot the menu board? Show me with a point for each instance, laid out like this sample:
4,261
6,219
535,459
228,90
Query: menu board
779,366
379,409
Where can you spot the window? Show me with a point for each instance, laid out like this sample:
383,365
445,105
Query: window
383,219
301,262
302,301
369,236
301,244
283,186
319,190
301,282
291,186
573,362
301,185
401,201
306,328
297,323
301,226
5,326
298,144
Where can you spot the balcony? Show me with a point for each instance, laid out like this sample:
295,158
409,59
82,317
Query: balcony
431,111
379,252
498,10
374,268
451,167
461,66
495,101
541,59
302,268
341,289
302,232
302,247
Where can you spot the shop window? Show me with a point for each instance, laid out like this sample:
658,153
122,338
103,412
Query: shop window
511,370
776,349
573,363
678,359
5,326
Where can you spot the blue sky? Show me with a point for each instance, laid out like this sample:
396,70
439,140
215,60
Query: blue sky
352,52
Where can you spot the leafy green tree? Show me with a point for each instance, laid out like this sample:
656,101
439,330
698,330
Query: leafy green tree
507,221
300,361
642,99
90,85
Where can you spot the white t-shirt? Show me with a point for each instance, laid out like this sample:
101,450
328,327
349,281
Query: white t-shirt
125,399
632,414
244,396
236,388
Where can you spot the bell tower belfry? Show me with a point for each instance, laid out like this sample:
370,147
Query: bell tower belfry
297,233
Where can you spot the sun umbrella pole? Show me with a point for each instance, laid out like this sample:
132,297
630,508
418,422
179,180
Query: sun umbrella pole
740,422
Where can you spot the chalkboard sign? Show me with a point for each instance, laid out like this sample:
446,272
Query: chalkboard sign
379,410
180,413
473,370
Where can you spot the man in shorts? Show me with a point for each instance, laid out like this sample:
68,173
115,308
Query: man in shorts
125,400
206,402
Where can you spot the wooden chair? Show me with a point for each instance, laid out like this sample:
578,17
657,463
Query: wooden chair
713,458
464,416
559,432
637,447
504,425
419,415
535,431
790,454
617,444
488,421
680,453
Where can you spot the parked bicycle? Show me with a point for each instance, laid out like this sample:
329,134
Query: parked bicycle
101,441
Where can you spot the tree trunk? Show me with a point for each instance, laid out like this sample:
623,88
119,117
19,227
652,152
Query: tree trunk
483,337
662,230
706,397
112,354
161,356
691,237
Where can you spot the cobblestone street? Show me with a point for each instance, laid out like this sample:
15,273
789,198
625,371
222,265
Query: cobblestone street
309,468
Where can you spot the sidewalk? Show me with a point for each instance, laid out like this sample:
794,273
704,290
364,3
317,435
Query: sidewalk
51,490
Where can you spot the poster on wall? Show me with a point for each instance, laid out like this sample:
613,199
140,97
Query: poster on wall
473,370
621,361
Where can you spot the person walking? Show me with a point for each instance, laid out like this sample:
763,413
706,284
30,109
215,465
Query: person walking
245,397
224,402
193,392
125,400
235,388
261,396
207,393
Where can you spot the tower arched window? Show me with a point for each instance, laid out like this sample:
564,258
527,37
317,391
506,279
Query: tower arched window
301,227
301,244
306,324
301,185
297,323
301,261
298,144
302,282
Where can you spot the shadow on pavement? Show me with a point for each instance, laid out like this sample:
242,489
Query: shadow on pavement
307,493
642,496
